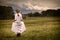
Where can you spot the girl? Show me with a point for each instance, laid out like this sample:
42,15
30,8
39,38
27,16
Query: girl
18,25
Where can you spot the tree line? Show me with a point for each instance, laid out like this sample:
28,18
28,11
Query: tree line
47,13
7,13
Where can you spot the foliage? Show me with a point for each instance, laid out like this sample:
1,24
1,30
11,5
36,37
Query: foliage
35,14
6,12
49,12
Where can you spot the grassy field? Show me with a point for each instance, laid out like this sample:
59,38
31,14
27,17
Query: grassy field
37,28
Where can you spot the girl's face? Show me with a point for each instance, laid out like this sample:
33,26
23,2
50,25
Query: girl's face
17,10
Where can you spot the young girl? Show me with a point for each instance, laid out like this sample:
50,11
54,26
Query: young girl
18,25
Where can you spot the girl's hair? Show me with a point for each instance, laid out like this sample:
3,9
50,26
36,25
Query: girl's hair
18,10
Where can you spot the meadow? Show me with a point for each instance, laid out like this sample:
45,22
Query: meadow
37,28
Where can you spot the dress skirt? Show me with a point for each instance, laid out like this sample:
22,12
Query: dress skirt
18,27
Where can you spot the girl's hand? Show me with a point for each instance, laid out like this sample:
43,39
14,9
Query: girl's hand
14,20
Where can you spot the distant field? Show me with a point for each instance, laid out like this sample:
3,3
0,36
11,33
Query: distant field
37,28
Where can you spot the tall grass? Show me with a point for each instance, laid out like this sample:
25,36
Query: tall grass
37,28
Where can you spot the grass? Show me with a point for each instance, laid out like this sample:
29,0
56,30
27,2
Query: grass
37,28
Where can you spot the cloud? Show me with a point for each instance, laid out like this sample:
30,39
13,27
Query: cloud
32,4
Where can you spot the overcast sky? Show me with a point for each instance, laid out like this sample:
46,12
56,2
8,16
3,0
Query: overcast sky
33,4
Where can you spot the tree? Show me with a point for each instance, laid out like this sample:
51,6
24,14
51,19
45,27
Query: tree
6,12
50,12
36,14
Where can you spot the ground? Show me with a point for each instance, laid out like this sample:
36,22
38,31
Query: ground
37,28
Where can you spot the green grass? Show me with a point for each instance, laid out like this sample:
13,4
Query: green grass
37,28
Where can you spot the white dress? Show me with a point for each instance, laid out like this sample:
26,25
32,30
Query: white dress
18,26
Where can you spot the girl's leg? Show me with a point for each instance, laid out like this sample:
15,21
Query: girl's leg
18,34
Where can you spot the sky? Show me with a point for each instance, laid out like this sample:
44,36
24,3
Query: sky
32,4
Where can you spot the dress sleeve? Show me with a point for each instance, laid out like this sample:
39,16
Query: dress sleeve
21,16
15,17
